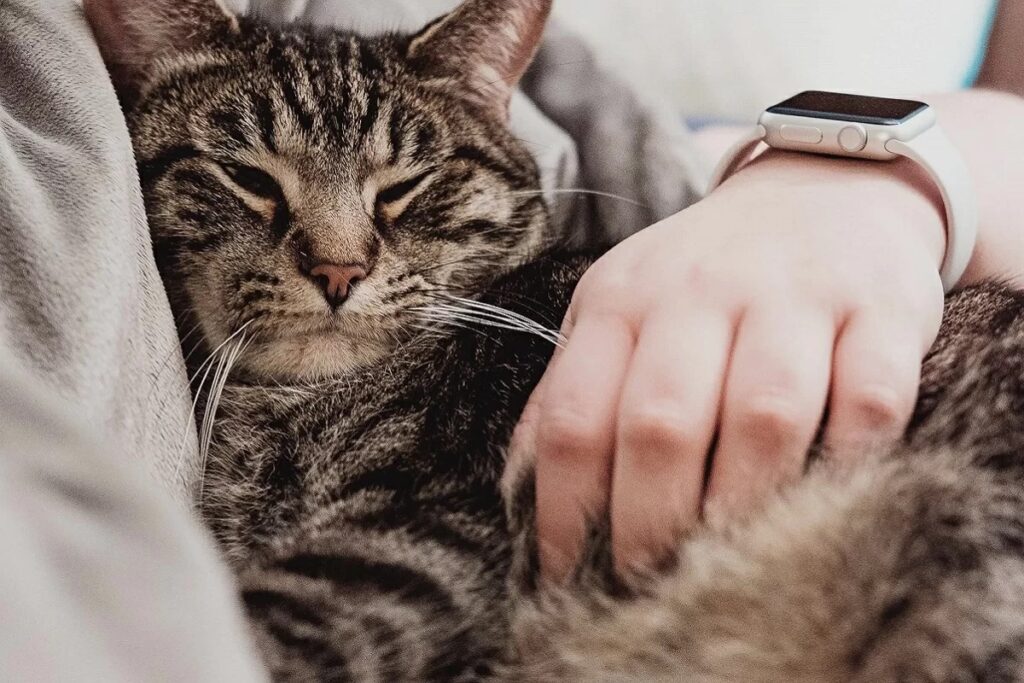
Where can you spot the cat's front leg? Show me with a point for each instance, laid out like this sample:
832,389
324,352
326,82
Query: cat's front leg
381,599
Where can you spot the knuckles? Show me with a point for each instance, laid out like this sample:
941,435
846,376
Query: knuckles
566,434
772,422
603,289
877,408
659,431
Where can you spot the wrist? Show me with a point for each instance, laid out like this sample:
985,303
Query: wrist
896,195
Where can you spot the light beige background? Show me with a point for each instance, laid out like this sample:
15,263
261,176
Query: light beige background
734,57
731,58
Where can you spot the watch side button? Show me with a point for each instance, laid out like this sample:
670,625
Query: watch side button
807,135
853,138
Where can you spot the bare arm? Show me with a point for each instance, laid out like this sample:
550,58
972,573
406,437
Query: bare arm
988,127
802,280
1003,68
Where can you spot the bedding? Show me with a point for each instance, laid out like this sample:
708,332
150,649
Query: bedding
81,304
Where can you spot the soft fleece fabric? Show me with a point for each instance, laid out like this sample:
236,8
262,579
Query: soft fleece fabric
81,304
103,575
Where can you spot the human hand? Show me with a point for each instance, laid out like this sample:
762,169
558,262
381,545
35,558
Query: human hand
802,281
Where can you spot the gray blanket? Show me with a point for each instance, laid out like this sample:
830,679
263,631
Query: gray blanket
101,578
81,305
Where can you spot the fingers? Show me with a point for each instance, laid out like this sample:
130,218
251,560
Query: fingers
775,395
667,418
576,436
875,379
522,450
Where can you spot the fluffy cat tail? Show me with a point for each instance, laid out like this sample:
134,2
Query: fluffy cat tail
907,568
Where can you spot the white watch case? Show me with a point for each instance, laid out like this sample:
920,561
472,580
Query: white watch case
842,138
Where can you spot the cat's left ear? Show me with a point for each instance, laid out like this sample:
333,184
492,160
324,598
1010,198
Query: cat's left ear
133,34
484,45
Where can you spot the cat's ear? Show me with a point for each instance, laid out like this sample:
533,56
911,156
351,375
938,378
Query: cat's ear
132,34
484,45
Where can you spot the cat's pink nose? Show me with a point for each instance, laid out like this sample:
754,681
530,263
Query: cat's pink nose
336,281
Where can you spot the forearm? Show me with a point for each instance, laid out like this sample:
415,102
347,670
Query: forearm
987,128
1002,70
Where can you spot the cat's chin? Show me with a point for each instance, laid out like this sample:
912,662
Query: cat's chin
310,357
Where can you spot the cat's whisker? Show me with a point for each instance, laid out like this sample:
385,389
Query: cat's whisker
167,365
582,192
229,356
195,402
534,307
431,331
213,354
461,326
198,343
463,312
498,311
493,320
490,311
208,365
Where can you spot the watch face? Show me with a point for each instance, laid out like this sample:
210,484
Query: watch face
858,108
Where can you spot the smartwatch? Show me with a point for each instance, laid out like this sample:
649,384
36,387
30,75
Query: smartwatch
879,129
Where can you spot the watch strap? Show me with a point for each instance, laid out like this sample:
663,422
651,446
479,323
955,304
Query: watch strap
737,156
933,151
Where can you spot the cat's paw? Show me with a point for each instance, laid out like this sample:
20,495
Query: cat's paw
518,491
518,479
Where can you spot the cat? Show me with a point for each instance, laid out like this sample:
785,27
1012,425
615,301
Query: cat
332,215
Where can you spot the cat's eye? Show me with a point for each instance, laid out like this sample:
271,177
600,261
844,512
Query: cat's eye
399,191
253,180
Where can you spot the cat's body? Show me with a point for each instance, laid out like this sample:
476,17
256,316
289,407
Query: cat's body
365,520
317,201
372,502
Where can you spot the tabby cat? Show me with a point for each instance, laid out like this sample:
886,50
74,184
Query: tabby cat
329,212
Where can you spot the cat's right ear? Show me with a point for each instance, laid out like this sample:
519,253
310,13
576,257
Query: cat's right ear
133,34
484,46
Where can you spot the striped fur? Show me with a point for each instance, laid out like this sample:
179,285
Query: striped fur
352,478
371,161
363,513
354,469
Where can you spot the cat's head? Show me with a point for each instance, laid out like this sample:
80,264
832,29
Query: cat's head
315,188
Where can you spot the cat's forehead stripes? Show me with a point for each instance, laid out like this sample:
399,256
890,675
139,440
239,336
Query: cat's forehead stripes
375,165
336,93
265,115
291,81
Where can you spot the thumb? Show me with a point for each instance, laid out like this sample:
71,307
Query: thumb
522,449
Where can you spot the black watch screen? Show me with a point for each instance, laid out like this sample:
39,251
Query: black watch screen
857,108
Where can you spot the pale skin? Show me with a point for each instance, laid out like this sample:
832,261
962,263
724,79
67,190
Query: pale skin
707,348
